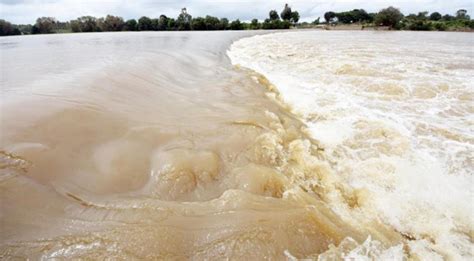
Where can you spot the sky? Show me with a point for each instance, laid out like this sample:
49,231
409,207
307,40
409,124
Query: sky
26,11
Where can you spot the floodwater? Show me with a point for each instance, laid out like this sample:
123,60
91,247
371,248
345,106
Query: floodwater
394,112
152,145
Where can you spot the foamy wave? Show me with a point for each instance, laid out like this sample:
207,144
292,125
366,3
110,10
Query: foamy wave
395,121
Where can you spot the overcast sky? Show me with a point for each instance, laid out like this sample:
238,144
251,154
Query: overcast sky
26,11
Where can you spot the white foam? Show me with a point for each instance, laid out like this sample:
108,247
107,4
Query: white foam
396,118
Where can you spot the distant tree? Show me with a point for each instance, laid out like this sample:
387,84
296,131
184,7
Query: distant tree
163,22
420,25
448,17
286,13
113,23
45,25
236,25
85,24
212,23
390,16
462,14
62,26
273,15
75,26
171,24
24,28
471,24
224,24
317,20
282,24
198,24
154,24
131,25
99,24
435,16
411,17
6,28
345,17
422,16
354,16
35,30
295,17
360,15
371,17
184,20
275,24
329,16
254,24
145,24
440,26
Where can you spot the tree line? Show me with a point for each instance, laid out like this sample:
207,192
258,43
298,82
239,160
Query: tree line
390,17
393,18
183,22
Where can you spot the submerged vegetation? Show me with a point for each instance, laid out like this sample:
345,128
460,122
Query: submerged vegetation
389,17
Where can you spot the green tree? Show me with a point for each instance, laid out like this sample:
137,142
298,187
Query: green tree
163,22
198,23
356,15
45,25
88,24
462,14
390,16
420,25
435,16
275,24
145,24
286,13
113,23
236,25
422,16
371,17
212,23
184,20
254,24
131,25
329,16
75,26
295,17
100,24
24,28
360,15
440,26
171,24
224,24
155,24
85,24
6,28
448,17
273,15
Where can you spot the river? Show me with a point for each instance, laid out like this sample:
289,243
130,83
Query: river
241,145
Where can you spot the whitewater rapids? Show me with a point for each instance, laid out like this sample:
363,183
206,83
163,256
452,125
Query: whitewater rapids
394,114
152,145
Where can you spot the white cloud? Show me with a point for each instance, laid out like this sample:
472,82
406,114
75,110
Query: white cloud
26,11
